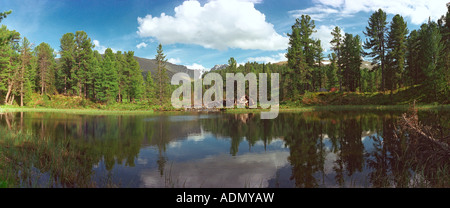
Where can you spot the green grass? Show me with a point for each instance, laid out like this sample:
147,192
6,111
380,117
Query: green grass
4,109
311,101
76,111
342,108
402,96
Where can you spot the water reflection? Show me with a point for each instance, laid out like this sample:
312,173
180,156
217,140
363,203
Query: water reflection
313,149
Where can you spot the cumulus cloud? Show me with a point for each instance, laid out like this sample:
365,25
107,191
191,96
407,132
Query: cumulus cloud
269,59
218,24
174,60
100,48
418,11
196,66
324,35
252,169
141,45
317,13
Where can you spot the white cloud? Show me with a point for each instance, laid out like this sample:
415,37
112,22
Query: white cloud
249,170
100,48
333,3
317,13
196,66
324,35
141,45
174,60
269,59
254,1
418,11
218,24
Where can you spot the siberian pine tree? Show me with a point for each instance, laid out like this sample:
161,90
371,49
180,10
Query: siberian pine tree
444,25
331,74
376,32
8,61
336,44
123,73
136,80
351,62
97,74
301,54
413,71
3,15
430,51
396,47
149,87
67,62
25,67
232,65
318,73
110,81
45,67
83,55
162,79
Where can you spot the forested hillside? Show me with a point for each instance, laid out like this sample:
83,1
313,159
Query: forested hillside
416,61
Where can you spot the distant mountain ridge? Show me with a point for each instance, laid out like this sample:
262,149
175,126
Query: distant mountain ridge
151,65
219,67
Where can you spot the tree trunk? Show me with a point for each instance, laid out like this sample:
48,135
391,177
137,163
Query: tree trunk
8,93
12,100
21,85
65,85
85,90
79,89
21,94
120,95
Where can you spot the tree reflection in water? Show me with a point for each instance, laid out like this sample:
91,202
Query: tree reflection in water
326,149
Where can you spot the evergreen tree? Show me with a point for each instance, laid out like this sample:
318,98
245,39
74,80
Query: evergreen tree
136,79
8,62
46,66
376,32
81,70
332,79
232,65
351,62
336,44
98,75
301,55
396,47
307,27
318,78
67,62
149,87
110,80
162,79
430,52
413,71
444,25
25,67
123,73
3,15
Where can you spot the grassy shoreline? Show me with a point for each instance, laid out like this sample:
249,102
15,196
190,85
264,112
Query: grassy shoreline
94,111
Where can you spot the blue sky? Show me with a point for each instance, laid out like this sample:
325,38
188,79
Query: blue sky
203,33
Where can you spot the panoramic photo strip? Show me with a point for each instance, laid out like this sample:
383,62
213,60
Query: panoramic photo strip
252,95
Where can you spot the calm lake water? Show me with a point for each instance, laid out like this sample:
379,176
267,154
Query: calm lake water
311,149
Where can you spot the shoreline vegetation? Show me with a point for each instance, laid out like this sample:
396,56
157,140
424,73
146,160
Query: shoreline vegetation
143,109
400,99
94,111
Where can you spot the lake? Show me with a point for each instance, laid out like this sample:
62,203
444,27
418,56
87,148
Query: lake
298,149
